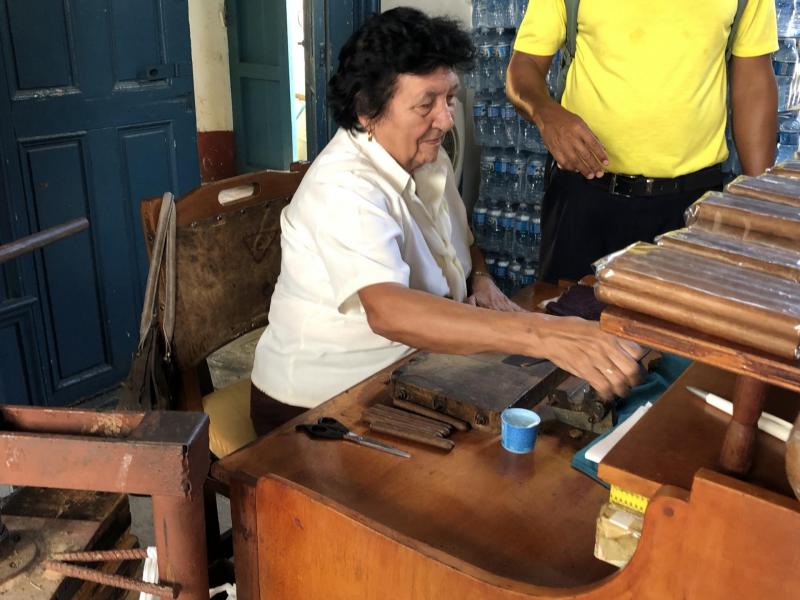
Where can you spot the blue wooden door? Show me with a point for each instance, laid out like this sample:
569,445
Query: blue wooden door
328,25
96,112
260,90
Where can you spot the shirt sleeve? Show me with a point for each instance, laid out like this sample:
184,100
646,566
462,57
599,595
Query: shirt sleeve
359,242
543,29
757,34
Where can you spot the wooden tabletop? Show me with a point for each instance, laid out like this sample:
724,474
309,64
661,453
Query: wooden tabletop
527,517
681,434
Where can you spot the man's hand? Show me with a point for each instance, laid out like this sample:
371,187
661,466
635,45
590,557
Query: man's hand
486,294
571,142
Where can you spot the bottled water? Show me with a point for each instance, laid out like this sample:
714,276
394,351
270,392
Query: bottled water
525,137
784,62
534,179
788,137
502,54
514,277
491,264
486,75
528,273
496,125
536,238
479,213
480,114
487,180
510,124
507,156
523,243
507,219
501,273
516,178
480,13
494,234
499,181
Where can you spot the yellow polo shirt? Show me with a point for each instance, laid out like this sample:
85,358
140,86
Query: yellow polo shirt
649,77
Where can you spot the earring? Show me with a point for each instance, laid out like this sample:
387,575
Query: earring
370,133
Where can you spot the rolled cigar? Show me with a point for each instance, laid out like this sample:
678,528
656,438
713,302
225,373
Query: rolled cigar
768,186
775,261
778,325
373,418
747,235
688,316
787,168
413,436
433,414
746,213
402,415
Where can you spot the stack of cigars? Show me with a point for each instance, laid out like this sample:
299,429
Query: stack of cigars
733,272
411,421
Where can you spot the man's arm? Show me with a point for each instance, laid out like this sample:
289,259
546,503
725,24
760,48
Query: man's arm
565,134
754,98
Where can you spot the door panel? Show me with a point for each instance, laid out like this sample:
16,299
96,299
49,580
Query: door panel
262,117
98,114
328,25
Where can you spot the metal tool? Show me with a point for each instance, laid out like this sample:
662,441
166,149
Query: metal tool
329,428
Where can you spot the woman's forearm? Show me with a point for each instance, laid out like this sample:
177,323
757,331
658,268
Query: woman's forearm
427,322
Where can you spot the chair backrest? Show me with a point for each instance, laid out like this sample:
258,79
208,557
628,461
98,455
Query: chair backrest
228,261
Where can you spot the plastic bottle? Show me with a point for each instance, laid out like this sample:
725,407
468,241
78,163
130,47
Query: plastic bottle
516,178
784,62
480,115
486,186
514,277
480,211
501,273
502,52
496,126
510,125
507,220
528,273
491,264
486,75
522,233
536,239
480,13
499,180
494,234
788,137
534,179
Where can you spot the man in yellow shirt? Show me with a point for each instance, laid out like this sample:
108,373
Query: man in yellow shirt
640,131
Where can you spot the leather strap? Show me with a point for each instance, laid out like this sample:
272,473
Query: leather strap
638,185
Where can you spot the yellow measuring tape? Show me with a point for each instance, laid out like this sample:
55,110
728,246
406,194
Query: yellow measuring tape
630,500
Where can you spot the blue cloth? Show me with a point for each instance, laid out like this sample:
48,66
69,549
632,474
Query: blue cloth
666,371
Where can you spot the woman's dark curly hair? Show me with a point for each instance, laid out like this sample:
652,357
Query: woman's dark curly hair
402,40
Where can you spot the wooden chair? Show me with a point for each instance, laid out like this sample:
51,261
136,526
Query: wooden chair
228,258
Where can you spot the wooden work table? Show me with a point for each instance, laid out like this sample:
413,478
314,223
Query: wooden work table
477,522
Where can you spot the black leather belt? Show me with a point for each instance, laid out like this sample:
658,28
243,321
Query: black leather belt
638,185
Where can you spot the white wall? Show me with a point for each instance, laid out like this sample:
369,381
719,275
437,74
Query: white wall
212,78
461,10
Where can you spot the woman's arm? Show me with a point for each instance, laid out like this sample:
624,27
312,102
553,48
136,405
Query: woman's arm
427,322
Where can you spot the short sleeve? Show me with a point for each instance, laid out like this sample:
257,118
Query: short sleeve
359,242
543,29
757,34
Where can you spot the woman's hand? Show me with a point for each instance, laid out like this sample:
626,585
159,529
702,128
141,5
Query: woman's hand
578,346
486,294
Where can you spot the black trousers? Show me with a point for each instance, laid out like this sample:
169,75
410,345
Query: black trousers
582,222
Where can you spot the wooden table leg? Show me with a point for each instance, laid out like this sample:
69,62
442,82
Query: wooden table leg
739,445
245,540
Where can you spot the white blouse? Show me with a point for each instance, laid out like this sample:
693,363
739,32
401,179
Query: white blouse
357,219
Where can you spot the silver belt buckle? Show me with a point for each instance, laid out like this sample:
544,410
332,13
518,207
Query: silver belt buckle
612,188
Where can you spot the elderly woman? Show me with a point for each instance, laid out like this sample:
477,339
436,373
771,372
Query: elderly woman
377,256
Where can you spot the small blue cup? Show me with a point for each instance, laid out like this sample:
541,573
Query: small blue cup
519,427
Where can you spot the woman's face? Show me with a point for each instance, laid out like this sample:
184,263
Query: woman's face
416,117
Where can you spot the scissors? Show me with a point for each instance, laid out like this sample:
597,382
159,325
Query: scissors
329,428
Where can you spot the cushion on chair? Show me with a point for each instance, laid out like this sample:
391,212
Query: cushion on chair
228,410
